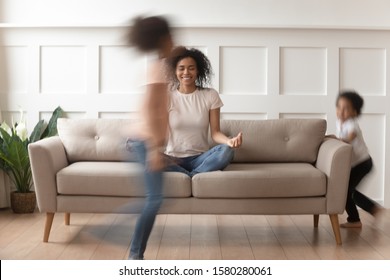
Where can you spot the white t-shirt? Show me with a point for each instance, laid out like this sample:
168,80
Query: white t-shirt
360,150
189,120
156,74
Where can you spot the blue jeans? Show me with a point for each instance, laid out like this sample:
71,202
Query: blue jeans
153,191
217,158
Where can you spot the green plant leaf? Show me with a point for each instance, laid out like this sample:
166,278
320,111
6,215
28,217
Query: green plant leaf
3,164
37,132
14,154
51,129
14,158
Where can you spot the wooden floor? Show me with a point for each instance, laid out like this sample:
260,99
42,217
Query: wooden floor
107,236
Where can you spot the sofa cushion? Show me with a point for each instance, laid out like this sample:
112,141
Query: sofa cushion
282,140
115,179
280,180
94,139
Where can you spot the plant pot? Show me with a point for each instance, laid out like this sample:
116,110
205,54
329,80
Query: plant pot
23,202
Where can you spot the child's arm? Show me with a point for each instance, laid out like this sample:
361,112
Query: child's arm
350,138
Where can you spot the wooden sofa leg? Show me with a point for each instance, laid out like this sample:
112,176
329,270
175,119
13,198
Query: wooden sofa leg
49,222
316,219
334,219
67,219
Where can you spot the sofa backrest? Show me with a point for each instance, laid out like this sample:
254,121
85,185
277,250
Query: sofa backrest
284,140
94,139
281,140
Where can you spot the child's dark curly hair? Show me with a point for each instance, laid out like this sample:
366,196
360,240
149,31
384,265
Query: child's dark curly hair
355,99
203,65
146,33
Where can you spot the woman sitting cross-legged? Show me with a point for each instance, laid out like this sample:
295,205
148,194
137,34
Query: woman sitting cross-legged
193,110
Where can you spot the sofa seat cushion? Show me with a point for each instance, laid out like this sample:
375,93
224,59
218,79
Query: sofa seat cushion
276,180
115,179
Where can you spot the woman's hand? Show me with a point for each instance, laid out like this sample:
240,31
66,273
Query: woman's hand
235,142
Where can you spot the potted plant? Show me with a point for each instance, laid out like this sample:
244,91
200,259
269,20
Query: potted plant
14,159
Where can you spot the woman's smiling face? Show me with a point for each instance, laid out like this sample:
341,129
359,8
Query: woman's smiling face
187,71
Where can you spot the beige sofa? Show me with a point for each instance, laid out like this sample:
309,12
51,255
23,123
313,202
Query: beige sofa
283,167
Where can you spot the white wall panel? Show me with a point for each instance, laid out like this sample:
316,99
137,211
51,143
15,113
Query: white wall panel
243,70
121,70
63,69
303,71
14,77
374,131
363,70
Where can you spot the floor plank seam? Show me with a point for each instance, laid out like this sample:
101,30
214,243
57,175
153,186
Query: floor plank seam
276,237
161,236
247,237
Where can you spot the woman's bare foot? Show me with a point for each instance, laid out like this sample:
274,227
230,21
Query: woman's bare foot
352,225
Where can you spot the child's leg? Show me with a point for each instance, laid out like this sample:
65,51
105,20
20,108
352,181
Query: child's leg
357,174
365,203
153,181
350,207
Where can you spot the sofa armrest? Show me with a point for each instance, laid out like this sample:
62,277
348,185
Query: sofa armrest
47,157
334,159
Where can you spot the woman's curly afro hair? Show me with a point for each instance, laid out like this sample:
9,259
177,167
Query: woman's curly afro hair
203,65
